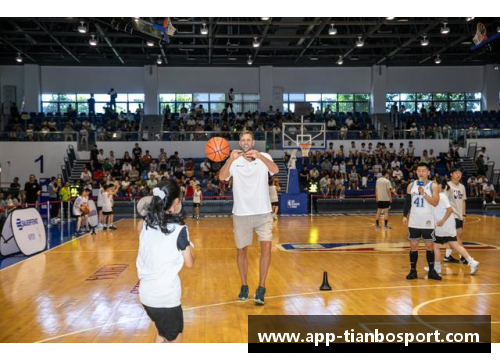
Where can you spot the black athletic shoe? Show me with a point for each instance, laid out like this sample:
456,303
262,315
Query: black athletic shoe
243,293
112,227
105,228
433,274
259,295
450,259
464,261
413,275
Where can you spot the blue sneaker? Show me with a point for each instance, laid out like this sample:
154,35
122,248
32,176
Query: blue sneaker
259,295
243,293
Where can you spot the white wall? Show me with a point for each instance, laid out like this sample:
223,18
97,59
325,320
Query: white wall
12,75
492,148
18,159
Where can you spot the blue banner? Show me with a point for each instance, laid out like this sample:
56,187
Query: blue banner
293,204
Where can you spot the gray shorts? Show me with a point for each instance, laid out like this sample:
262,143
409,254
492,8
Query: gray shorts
244,226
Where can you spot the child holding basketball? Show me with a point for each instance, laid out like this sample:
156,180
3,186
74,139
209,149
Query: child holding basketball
81,211
164,248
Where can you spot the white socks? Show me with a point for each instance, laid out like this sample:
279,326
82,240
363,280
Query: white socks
448,252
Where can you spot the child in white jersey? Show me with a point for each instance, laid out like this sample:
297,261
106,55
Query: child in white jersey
164,247
80,210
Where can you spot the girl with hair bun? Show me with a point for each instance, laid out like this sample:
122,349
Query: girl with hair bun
164,248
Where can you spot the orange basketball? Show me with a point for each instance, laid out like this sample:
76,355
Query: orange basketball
217,149
84,209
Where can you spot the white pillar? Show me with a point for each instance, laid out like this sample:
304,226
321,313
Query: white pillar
151,95
266,88
378,89
31,89
491,87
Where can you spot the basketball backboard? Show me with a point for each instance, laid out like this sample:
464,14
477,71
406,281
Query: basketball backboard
294,134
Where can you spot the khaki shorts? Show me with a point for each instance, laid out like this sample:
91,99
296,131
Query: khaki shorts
244,226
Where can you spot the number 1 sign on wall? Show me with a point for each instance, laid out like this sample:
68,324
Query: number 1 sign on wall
41,163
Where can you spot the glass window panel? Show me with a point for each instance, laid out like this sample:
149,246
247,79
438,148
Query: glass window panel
313,97
136,97
99,107
406,96
410,106
187,97
346,97
362,107
362,97
49,107
238,97
388,106
67,97
457,96
167,97
250,107
298,97
134,106
121,97
82,107
457,106
122,107
426,105
238,107
424,96
474,106
200,97
473,95
251,97
333,106
47,97
391,97
291,107
316,105
329,97
82,97
346,107
441,106
285,97
164,105
63,107
101,97
217,97
440,97
285,107
216,107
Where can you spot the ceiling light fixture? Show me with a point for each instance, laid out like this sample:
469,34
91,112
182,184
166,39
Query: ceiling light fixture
93,40
19,58
150,43
158,60
249,61
204,29
390,18
445,29
332,30
360,42
255,42
82,28
424,42
469,19
437,60
340,61
264,19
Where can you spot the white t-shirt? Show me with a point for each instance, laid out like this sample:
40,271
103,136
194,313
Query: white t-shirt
197,197
449,228
158,264
421,214
107,205
273,194
99,197
250,186
78,202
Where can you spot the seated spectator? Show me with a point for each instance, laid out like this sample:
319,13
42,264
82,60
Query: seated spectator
134,174
86,176
106,166
153,174
189,168
472,186
489,194
206,168
152,182
98,175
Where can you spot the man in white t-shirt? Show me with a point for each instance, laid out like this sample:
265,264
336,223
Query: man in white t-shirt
250,170
489,193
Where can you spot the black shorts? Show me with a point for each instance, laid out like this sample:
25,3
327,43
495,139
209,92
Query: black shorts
106,213
459,224
445,239
383,204
168,321
417,234
99,208
275,203
196,206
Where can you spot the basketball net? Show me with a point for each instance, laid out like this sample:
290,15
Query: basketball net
305,147
481,34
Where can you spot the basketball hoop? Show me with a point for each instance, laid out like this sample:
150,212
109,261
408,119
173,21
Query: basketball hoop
305,147
481,34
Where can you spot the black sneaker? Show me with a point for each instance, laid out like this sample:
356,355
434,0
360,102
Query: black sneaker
450,259
105,228
243,293
259,295
413,275
464,261
112,227
433,274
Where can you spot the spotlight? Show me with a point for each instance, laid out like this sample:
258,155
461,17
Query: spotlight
150,43
204,29
19,58
249,61
332,30
158,60
360,42
437,60
255,42
424,42
340,61
264,19
445,29
390,18
82,28
93,40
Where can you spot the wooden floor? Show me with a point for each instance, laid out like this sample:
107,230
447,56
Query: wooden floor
48,298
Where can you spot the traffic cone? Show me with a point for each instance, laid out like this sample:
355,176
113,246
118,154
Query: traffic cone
325,285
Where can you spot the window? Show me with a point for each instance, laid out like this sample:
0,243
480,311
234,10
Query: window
444,102
59,103
212,102
350,102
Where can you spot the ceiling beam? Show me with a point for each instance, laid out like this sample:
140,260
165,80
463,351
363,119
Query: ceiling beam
263,36
370,32
324,23
5,41
103,34
55,39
